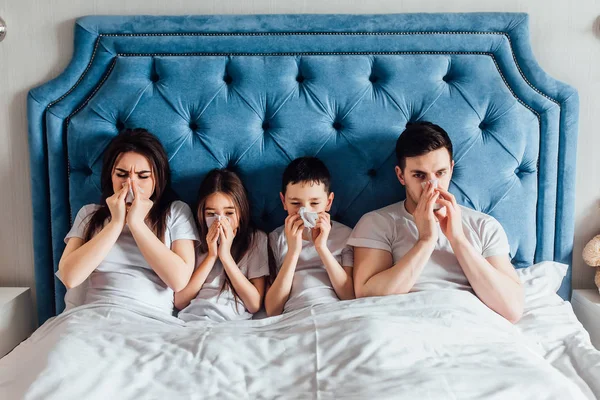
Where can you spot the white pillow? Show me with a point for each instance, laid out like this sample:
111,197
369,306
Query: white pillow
542,279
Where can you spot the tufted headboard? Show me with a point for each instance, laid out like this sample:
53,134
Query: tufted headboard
253,92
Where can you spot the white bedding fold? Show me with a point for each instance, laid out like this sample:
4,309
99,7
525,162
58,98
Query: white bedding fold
438,345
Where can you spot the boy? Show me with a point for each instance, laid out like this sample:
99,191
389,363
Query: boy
314,265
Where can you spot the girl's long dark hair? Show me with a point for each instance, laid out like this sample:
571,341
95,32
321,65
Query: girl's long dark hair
226,182
142,142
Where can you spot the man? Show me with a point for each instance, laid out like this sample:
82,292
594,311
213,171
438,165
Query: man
428,241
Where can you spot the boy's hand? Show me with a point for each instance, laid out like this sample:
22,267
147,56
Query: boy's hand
320,233
294,226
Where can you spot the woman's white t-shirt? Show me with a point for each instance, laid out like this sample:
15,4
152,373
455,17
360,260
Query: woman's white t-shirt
124,276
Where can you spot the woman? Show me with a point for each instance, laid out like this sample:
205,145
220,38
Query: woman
137,246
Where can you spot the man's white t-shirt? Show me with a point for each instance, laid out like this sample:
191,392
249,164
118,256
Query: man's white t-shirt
212,304
393,229
311,284
124,276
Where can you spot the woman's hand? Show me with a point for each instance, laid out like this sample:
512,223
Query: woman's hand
117,207
140,207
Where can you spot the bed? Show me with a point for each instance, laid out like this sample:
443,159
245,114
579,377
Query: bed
253,92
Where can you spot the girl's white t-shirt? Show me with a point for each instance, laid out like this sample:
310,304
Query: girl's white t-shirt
213,304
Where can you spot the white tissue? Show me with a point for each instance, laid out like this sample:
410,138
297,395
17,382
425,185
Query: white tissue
129,198
308,217
130,195
434,182
216,217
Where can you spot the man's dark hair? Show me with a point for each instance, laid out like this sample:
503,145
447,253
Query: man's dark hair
420,138
306,169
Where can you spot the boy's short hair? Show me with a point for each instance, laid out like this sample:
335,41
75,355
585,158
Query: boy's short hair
420,138
306,169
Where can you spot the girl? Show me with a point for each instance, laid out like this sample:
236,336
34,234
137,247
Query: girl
229,282
137,246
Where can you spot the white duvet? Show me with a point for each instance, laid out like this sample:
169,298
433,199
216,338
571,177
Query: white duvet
427,345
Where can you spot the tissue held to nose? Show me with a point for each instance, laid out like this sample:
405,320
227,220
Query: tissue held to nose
217,217
434,182
130,196
308,217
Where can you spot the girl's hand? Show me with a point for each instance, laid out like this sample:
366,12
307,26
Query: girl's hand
212,238
226,234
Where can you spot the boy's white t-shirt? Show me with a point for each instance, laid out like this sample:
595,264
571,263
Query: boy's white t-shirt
212,304
124,276
311,284
393,229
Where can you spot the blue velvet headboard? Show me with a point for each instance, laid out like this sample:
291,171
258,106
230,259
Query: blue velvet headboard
253,92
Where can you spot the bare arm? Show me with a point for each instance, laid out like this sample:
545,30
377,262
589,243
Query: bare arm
376,276
184,297
494,281
80,259
373,275
340,277
173,267
189,293
251,291
279,291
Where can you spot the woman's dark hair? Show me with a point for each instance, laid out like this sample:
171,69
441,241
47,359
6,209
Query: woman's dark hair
144,143
228,183
420,138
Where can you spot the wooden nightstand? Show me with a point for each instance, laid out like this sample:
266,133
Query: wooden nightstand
16,317
586,304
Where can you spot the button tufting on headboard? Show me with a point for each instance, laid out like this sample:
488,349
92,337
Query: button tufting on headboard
341,87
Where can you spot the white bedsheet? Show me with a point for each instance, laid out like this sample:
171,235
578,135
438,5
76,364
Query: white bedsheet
427,345
551,323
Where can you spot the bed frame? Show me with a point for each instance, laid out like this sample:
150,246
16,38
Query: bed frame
253,92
